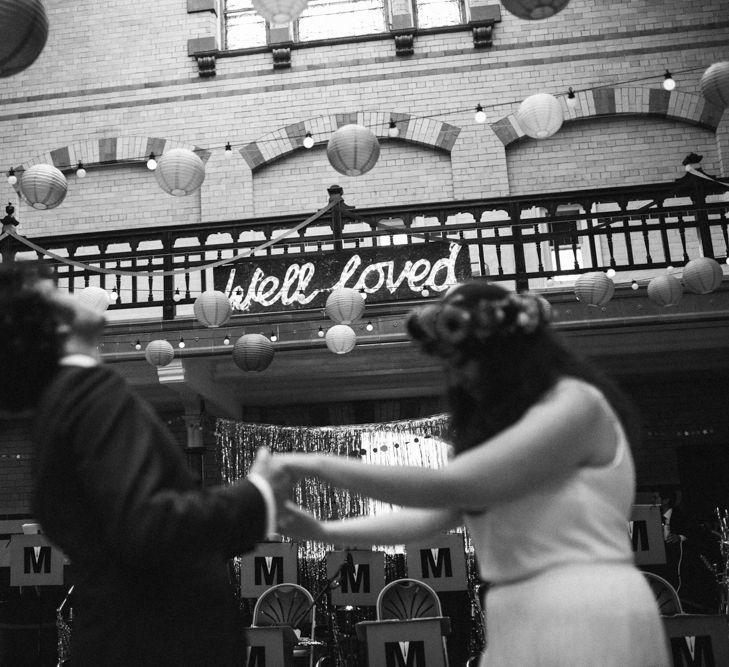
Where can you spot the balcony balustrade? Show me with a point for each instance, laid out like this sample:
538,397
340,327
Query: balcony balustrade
525,242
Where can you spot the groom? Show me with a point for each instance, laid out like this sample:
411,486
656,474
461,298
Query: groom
112,490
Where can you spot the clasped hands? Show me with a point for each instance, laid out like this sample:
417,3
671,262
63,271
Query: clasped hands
282,471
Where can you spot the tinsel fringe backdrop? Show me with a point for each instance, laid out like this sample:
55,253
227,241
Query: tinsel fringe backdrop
417,442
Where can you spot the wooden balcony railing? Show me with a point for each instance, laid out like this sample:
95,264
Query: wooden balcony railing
526,241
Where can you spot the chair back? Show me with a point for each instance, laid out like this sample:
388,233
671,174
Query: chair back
407,598
669,604
284,604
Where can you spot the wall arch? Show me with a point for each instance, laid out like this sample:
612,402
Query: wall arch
615,101
285,140
109,150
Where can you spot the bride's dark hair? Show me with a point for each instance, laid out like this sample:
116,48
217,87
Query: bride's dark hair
501,356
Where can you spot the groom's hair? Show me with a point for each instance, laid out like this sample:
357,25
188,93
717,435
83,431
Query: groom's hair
30,343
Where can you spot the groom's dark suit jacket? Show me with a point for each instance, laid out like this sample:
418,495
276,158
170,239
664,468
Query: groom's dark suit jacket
148,548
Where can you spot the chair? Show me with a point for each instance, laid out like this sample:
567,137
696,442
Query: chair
406,599
288,605
669,604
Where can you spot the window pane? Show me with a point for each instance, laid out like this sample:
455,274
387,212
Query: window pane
244,27
324,19
437,13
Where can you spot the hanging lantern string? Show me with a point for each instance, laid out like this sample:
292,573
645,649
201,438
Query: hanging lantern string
172,272
228,146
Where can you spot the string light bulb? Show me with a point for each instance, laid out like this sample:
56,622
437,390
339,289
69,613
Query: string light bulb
114,295
669,83
80,171
228,150
634,285
12,178
138,345
424,292
181,344
308,140
226,340
571,99
151,162
320,333
480,115
393,131
274,337
176,296
610,273
369,326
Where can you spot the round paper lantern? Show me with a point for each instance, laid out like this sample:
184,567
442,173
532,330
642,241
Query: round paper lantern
43,186
345,305
280,11
353,150
534,9
212,308
179,172
540,115
715,84
23,34
340,339
665,290
94,297
159,353
253,352
702,275
594,289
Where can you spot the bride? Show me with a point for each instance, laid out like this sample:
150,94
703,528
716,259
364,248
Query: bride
542,475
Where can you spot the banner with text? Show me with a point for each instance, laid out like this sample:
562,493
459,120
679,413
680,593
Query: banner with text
388,273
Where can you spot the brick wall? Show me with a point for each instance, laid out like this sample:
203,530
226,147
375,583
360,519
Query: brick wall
16,460
112,71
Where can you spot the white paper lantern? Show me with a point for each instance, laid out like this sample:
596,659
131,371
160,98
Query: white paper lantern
353,150
212,308
702,275
534,9
665,290
715,84
179,172
159,353
280,11
345,305
540,115
23,34
340,339
253,352
594,289
94,297
43,186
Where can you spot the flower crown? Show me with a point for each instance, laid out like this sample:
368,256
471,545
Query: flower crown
446,328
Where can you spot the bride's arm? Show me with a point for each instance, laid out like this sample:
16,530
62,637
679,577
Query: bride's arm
555,436
396,527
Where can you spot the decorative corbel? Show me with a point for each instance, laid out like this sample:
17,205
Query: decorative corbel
481,18
404,44
204,50
281,57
